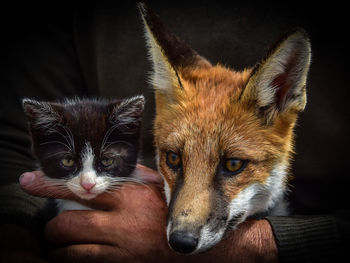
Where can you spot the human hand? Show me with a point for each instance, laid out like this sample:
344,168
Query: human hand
129,226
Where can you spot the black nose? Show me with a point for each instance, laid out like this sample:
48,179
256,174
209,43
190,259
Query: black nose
183,242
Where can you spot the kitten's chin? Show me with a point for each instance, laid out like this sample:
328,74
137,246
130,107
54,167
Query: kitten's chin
87,196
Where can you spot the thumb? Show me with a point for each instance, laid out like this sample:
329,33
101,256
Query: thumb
148,175
36,183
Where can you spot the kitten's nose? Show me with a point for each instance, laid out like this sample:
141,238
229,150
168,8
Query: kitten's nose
87,186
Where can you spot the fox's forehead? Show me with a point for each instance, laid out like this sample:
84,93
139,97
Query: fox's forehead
231,134
215,85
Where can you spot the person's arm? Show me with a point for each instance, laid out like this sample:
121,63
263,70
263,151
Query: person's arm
308,238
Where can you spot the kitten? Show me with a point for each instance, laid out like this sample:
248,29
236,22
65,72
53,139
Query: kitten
86,146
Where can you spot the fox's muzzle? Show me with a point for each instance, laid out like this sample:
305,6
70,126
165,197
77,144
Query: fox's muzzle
197,217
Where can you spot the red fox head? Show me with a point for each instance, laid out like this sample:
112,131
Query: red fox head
224,139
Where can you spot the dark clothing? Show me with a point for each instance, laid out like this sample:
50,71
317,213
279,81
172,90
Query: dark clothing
58,51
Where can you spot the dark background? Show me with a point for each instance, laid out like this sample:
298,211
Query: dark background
60,49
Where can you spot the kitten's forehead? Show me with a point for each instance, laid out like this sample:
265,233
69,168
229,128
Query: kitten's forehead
87,119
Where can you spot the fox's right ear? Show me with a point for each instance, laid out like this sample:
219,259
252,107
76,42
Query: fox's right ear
278,84
40,115
170,56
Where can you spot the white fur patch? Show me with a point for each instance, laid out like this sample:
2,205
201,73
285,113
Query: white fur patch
168,229
276,184
259,198
87,175
167,191
208,238
63,205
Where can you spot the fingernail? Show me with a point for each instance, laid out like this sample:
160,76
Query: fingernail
26,179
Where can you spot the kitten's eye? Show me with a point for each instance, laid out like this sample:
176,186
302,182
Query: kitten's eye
67,162
107,162
173,160
234,166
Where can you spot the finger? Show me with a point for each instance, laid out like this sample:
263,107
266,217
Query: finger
36,183
88,226
148,175
87,253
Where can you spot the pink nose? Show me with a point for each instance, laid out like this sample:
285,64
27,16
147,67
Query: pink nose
87,186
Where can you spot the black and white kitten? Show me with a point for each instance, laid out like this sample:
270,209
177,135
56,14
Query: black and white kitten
86,145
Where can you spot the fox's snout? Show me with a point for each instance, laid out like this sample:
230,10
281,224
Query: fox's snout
196,215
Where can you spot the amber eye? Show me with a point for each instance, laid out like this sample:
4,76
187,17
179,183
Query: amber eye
67,162
107,162
173,160
234,166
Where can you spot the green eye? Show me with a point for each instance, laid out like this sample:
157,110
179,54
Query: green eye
173,160
234,166
67,162
107,162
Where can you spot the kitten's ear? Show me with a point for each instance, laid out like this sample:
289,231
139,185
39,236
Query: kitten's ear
278,84
171,57
40,114
128,112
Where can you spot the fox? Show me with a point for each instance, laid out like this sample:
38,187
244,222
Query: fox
224,139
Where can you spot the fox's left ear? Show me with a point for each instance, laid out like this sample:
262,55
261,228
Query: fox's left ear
278,83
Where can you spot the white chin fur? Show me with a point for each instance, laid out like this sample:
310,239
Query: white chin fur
208,239
63,205
259,198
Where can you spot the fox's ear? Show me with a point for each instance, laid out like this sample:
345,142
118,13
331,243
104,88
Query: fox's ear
169,54
278,83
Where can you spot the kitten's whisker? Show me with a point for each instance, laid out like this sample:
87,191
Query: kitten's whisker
58,142
105,138
114,142
70,136
65,137
57,153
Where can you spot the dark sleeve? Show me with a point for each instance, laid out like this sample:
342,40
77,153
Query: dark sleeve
310,238
39,60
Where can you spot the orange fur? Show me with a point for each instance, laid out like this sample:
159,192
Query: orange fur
206,122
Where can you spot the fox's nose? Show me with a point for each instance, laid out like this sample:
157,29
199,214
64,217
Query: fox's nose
183,242
87,186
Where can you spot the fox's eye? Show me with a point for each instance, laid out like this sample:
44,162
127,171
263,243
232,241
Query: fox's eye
107,162
67,162
173,160
234,166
